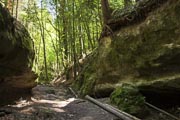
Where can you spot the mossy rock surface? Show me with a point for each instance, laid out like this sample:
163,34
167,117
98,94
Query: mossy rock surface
128,99
86,80
141,54
16,46
16,58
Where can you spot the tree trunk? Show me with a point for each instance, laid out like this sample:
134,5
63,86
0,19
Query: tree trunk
105,11
74,41
17,4
12,9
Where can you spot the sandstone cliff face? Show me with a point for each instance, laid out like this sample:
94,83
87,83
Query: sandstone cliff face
146,54
16,57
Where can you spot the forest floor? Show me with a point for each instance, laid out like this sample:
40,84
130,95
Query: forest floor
58,103
53,103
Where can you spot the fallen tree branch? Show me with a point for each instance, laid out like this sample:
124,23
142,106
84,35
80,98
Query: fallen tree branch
133,117
162,111
73,92
119,114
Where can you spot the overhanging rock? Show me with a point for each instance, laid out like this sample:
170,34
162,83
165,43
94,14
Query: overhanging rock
16,58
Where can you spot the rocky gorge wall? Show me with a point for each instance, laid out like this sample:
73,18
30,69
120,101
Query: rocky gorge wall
145,54
16,58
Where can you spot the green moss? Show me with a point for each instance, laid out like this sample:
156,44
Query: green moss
86,80
88,85
136,53
128,99
85,83
113,59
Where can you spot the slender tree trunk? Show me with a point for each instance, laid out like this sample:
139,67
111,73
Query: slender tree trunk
12,9
84,45
94,38
74,41
105,10
90,44
64,34
57,41
80,40
41,24
17,5
44,45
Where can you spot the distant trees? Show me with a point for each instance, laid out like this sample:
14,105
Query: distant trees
64,31
78,26
12,5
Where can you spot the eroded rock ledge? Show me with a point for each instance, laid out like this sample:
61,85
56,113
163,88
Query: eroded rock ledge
145,54
16,58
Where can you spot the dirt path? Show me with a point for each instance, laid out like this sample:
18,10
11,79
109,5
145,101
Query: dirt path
53,103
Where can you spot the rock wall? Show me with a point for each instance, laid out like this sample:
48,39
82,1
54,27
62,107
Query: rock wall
145,54
16,57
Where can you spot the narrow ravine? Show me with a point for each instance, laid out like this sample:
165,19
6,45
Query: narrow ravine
65,60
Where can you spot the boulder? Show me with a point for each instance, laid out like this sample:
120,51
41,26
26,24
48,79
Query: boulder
129,99
145,54
16,58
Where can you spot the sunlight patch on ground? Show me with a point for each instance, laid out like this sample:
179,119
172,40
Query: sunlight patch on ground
28,110
21,103
56,103
53,105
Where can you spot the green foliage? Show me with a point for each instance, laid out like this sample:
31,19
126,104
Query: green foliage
68,29
71,29
116,4
128,99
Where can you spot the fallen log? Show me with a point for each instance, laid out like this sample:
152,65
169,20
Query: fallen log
120,114
134,118
73,92
162,111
